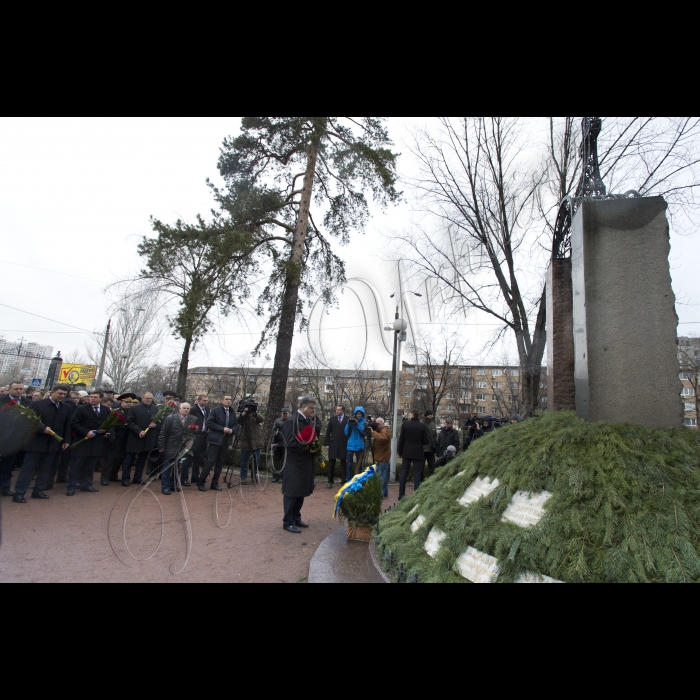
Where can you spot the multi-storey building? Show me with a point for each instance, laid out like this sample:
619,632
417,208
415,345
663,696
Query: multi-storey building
25,361
689,359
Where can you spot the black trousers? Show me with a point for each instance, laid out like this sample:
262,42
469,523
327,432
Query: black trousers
111,467
278,458
430,458
418,465
331,469
82,472
292,511
140,460
59,469
216,460
36,464
7,464
199,458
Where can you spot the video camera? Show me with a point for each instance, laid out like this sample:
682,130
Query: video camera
249,404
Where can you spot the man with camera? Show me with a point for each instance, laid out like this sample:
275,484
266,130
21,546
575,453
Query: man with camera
355,432
382,451
222,427
251,423
448,437
277,446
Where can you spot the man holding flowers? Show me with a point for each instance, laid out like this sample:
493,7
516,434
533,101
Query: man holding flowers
88,425
177,429
302,447
53,431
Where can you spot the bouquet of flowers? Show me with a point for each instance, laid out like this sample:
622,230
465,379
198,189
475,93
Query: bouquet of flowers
114,419
309,437
29,415
188,438
163,412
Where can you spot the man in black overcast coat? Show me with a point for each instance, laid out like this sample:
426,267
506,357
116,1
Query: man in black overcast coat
299,472
7,462
415,437
86,456
200,411
337,444
140,445
44,449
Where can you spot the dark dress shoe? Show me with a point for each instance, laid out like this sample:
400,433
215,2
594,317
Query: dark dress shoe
203,489
216,487
70,493
293,529
137,482
40,496
167,492
18,499
330,486
126,484
302,525
186,484
115,480
104,483
177,489
61,481
7,494
89,489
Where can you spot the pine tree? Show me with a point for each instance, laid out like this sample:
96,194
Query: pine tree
278,172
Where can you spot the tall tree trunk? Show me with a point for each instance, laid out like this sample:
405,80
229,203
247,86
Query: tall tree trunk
290,301
184,369
531,362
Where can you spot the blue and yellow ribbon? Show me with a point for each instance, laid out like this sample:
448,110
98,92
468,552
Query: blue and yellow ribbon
357,484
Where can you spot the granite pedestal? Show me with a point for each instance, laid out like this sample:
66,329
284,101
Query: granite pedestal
624,314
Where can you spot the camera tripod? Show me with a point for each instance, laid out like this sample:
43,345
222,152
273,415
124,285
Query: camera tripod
261,476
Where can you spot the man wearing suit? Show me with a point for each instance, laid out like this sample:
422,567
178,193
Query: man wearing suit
44,449
140,444
87,421
222,428
200,411
415,437
337,444
175,431
7,462
299,476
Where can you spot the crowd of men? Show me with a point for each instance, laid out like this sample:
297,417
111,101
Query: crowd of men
70,444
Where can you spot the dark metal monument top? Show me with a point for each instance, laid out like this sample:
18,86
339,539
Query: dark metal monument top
590,187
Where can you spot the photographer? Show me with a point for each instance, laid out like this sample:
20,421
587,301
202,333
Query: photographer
449,437
449,456
355,432
278,446
251,423
382,451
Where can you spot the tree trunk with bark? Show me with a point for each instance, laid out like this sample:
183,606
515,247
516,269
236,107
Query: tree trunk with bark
290,301
184,369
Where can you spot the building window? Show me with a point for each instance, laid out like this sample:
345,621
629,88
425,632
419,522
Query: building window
480,372
514,373
515,386
686,377
407,407
481,397
482,385
410,370
496,398
497,385
688,392
691,422
497,373
466,396
409,395
689,407
481,410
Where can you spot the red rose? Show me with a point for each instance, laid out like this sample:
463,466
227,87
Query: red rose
307,436
194,427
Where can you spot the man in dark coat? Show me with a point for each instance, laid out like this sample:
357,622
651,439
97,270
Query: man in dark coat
299,473
140,443
432,446
174,433
7,462
415,437
115,442
448,437
222,428
44,449
201,412
337,444
87,421
278,446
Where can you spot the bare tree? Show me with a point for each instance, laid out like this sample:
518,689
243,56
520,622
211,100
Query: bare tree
499,204
136,338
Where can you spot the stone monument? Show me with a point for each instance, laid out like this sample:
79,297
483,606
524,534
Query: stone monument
617,330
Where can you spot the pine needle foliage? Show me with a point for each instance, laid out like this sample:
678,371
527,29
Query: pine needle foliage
362,509
625,506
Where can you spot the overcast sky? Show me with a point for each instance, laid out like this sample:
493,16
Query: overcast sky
76,195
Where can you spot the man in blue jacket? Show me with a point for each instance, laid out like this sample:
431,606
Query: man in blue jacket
355,430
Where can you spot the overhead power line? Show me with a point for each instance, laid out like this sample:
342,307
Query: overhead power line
62,323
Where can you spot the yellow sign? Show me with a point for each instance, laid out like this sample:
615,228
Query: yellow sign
77,374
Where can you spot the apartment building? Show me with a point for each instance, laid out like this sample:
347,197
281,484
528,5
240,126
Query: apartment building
25,361
689,360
